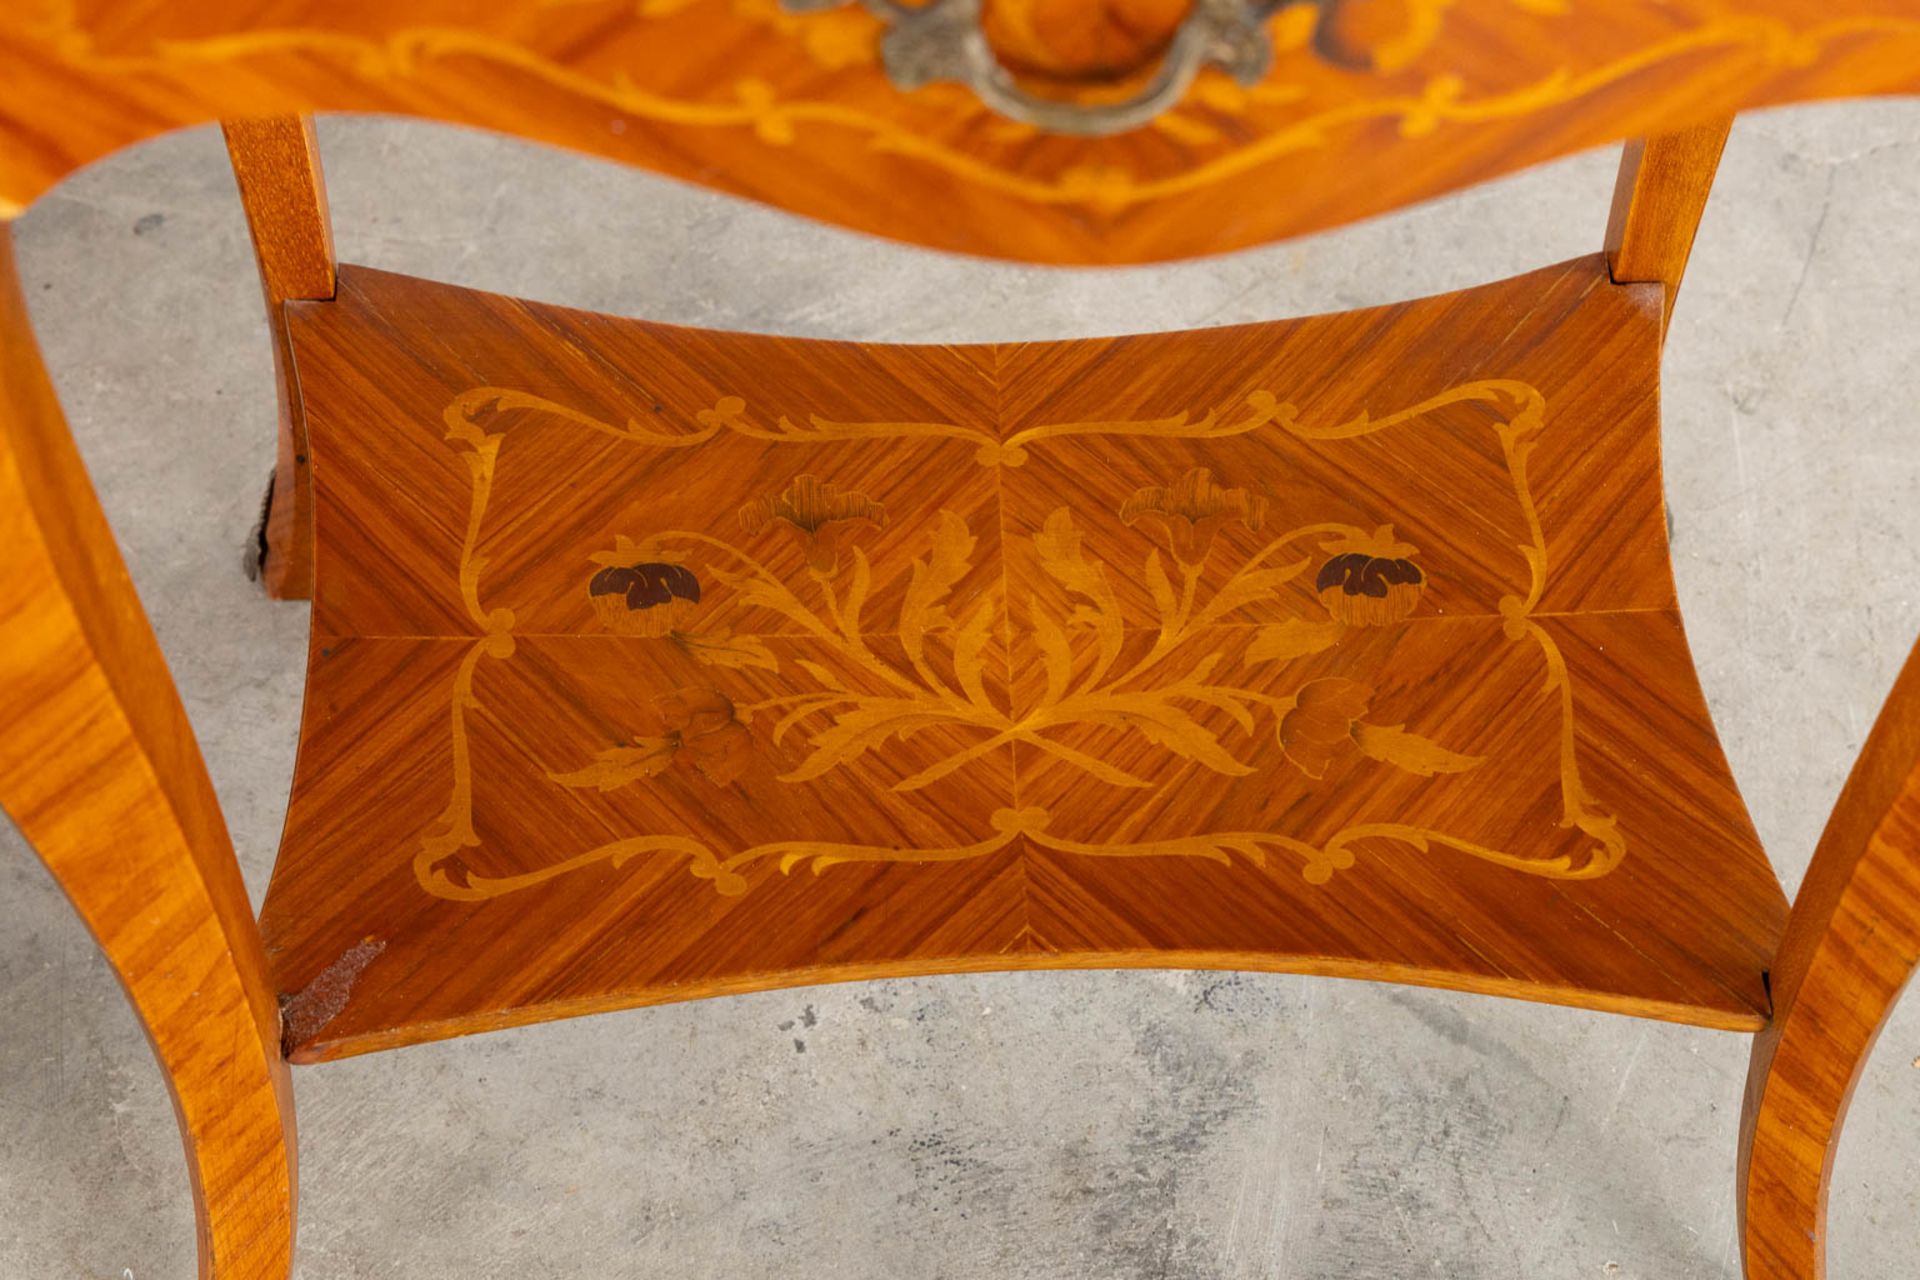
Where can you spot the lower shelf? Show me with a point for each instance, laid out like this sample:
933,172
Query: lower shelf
652,663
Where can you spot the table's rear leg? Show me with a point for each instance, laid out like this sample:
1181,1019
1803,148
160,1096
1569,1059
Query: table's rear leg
276,162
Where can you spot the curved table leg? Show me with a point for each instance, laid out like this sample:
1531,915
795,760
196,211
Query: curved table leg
100,770
1851,945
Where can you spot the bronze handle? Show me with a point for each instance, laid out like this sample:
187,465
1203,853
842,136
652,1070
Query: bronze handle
943,40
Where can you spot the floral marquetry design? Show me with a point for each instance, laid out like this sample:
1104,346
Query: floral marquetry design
645,599
891,659
820,516
702,732
1325,727
1370,581
1022,657
1190,512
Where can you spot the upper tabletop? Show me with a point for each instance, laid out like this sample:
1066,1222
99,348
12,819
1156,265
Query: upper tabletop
1366,105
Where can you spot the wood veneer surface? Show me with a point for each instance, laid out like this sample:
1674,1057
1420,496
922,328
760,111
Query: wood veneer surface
1342,645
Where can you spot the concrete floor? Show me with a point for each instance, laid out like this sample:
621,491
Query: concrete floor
1052,1125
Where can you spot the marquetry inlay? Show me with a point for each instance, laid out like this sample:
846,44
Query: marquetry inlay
855,681
681,661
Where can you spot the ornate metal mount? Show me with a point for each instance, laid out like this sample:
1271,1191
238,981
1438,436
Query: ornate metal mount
943,40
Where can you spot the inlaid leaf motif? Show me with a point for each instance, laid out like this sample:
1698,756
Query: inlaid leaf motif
764,592
1160,587
1160,721
856,595
617,767
1248,587
801,709
625,551
1162,590
1089,764
823,674
724,650
1294,638
1056,654
969,646
1058,545
924,608
1230,700
1393,745
1324,725
859,728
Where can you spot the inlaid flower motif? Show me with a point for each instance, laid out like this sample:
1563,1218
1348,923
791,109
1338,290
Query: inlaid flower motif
701,729
820,515
702,733
1370,581
1191,511
1324,727
1318,731
644,599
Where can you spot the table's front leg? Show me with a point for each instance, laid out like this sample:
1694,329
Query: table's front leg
99,768
1851,945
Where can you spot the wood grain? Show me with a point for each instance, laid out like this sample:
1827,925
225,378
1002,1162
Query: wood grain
652,663
276,164
1657,202
1851,946
99,769
1370,104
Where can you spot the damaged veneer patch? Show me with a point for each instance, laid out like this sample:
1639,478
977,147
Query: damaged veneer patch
304,1013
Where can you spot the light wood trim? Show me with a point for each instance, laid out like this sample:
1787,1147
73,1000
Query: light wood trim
1657,202
276,162
1851,945
99,768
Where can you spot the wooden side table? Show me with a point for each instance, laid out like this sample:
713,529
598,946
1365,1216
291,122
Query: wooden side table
653,663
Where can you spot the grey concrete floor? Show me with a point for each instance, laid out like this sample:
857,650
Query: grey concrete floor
1051,1125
